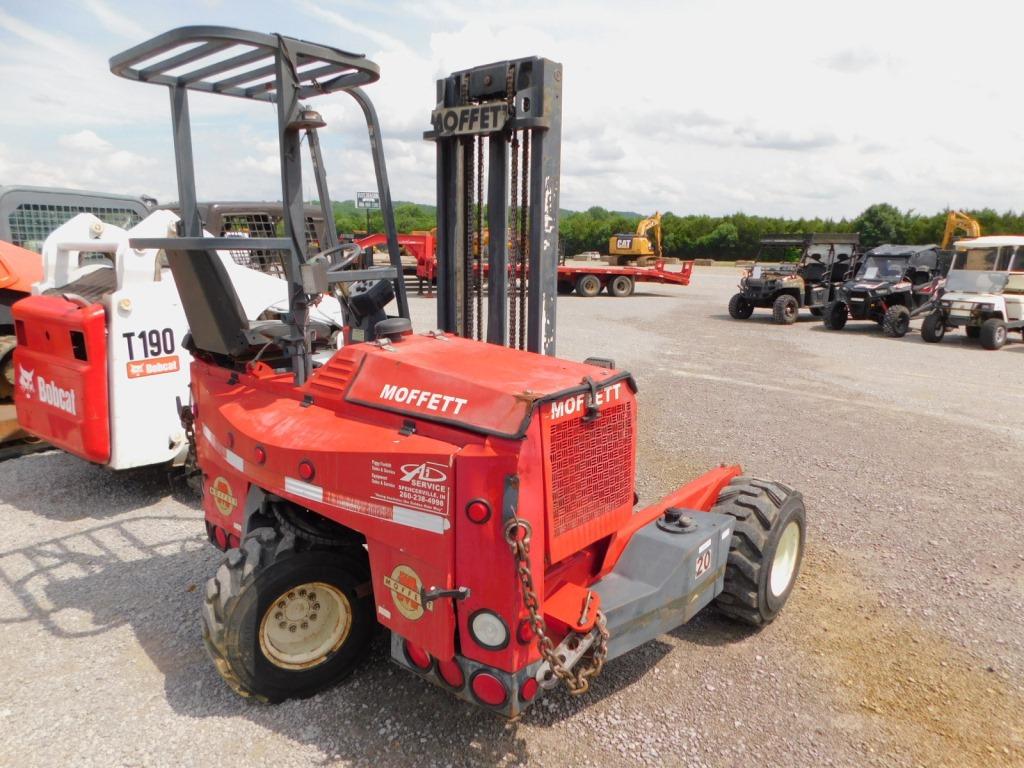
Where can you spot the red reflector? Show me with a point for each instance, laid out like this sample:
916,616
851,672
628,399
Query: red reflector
528,690
417,656
259,454
489,689
524,632
306,470
478,511
451,673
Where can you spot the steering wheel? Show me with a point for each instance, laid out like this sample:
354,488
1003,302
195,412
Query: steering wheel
350,252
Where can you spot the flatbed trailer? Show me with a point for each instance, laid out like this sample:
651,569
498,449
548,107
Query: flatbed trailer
589,280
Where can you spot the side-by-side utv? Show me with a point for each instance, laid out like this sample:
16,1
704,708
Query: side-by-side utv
893,284
773,282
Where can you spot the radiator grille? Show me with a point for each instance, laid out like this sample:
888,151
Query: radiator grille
591,467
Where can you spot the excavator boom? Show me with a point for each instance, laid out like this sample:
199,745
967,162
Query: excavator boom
959,221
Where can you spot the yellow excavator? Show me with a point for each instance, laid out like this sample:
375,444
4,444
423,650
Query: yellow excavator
958,221
642,246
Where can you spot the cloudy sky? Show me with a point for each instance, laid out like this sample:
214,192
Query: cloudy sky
787,107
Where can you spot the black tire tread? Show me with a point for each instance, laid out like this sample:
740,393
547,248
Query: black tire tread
892,318
779,309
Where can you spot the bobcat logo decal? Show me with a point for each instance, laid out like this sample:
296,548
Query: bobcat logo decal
26,379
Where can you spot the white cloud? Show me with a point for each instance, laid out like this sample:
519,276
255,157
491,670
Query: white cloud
85,140
117,22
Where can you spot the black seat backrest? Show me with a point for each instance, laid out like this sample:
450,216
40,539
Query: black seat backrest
215,316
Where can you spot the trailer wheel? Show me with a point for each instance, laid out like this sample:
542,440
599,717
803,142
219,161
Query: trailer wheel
993,333
836,315
740,308
766,550
933,328
282,620
588,285
896,321
621,285
785,310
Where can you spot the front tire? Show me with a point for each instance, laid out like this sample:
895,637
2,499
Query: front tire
933,328
785,310
993,333
766,551
836,316
740,308
282,619
896,321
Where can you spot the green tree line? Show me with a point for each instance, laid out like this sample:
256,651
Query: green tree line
717,237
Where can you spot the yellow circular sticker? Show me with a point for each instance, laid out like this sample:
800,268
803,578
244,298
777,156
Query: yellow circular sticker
220,490
405,587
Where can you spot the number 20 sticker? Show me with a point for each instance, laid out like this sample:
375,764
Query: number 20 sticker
703,563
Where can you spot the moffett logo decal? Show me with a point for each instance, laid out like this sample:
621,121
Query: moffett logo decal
473,118
48,391
220,492
427,472
25,379
405,586
578,403
421,398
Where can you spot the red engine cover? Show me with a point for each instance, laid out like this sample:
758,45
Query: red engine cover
60,385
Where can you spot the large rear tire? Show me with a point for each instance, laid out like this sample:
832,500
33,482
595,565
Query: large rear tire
933,328
282,619
785,310
588,285
993,333
836,315
896,321
766,551
740,308
621,285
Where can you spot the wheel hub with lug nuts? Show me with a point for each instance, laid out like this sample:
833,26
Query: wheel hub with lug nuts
306,624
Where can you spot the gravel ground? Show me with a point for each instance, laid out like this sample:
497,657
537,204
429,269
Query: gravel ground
903,646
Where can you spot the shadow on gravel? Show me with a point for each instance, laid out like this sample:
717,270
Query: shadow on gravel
76,484
765,318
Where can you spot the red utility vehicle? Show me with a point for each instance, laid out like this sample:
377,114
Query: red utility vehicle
475,499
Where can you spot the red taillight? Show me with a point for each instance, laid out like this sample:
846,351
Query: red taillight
489,689
451,673
478,511
306,470
259,454
417,656
528,690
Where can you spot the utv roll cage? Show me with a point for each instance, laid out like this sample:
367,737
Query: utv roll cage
282,71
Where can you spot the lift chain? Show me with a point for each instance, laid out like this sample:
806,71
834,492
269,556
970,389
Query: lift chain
513,304
577,679
468,187
524,238
478,280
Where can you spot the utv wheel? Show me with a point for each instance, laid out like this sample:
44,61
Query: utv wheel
993,333
933,328
972,331
836,315
740,308
621,286
588,285
785,310
896,322
282,620
766,550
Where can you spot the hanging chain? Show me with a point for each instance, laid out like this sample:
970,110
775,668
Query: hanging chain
577,679
466,299
478,284
524,238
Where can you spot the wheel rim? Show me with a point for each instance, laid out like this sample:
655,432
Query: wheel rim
1000,335
305,625
784,562
791,310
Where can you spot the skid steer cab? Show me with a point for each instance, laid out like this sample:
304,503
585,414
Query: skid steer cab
101,361
462,488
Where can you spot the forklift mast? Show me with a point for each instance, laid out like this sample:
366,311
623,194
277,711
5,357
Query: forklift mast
498,128
286,72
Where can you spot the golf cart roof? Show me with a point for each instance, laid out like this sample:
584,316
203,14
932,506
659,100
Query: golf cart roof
235,62
814,238
989,241
906,251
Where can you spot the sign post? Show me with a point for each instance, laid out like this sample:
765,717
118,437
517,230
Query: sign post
370,201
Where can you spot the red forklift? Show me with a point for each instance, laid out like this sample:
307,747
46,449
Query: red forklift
461,487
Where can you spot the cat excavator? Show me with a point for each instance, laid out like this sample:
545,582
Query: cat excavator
959,221
637,247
